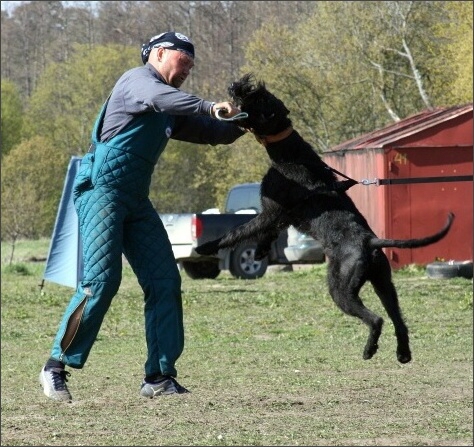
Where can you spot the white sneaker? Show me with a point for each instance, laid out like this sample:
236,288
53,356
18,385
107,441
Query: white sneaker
164,385
54,385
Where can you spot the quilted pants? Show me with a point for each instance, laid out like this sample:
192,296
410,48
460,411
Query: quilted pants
111,222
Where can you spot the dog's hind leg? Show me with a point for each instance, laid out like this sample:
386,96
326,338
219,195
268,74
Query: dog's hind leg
380,277
345,283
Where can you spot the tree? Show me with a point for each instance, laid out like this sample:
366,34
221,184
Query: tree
35,34
31,189
352,67
34,26
394,37
12,117
66,93
342,68
69,95
246,161
173,188
450,63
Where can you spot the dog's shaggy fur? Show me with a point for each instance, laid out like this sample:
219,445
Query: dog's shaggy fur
299,189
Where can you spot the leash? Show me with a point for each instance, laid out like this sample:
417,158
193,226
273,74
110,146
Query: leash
366,182
239,116
404,181
341,174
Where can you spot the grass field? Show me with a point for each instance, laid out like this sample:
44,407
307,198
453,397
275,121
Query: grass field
268,362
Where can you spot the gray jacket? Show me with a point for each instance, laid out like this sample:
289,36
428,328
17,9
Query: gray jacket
142,90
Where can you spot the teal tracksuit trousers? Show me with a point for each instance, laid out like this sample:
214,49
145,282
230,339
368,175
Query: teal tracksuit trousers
115,217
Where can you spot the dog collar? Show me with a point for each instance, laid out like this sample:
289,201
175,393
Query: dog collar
266,139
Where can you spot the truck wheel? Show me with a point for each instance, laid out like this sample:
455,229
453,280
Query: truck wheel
201,270
243,264
450,269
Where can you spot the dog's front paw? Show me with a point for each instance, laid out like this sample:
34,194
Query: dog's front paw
209,248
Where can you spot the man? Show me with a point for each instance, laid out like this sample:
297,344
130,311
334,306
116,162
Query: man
144,110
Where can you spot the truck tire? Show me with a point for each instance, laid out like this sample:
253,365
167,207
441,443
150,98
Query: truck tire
201,270
450,269
243,264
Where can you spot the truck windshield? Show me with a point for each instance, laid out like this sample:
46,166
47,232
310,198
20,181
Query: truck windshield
243,197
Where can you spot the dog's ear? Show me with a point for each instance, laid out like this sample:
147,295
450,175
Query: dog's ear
248,78
241,89
235,92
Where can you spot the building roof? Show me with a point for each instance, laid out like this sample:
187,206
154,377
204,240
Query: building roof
403,128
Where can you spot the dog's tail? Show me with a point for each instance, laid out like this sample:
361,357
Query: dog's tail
414,243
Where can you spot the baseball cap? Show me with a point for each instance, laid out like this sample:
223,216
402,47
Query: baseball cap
170,40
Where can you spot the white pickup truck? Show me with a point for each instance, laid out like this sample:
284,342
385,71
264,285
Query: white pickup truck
187,231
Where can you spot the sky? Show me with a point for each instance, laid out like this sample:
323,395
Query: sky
8,6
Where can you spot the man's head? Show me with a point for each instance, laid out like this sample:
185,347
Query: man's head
172,54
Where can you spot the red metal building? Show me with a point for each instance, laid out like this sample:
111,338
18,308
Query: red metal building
429,159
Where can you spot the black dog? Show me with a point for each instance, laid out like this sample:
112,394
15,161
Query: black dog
300,189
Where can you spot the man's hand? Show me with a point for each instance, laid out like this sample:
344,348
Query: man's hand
225,109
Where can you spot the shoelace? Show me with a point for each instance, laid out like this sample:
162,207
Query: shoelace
59,378
179,388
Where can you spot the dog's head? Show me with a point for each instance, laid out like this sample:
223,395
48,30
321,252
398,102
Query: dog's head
267,115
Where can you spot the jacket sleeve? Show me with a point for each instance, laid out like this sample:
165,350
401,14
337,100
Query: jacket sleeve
205,130
142,90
